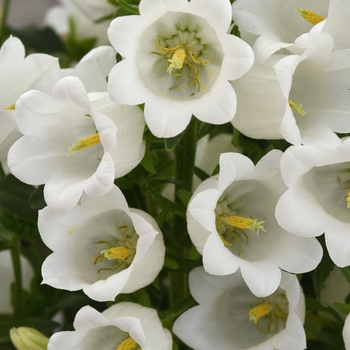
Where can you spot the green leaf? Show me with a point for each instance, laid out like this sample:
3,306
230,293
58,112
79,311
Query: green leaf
148,161
127,7
172,142
143,298
184,196
170,263
14,196
200,173
193,253
36,199
166,203
322,271
344,308
346,272
314,305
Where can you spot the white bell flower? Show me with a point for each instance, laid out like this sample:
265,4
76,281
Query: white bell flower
315,85
261,103
58,17
318,199
74,142
123,326
18,75
230,317
277,26
93,69
95,9
178,60
231,222
101,246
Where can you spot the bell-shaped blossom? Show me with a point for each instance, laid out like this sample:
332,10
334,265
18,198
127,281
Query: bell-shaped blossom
101,246
18,75
7,278
231,222
277,26
315,85
61,17
261,103
74,142
93,69
95,9
123,326
318,199
230,317
178,60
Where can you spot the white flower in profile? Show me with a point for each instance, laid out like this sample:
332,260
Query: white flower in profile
231,222
123,326
101,246
67,12
93,69
178,60
74,142
230,317
261,103
346,333
95,9
277,26
18,75
318,198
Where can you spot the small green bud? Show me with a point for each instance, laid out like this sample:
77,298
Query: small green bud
25,338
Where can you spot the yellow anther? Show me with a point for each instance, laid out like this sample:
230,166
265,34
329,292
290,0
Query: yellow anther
120,253
247,223
259,311
310,16
177,60
85,143
296,107
10,107
128,344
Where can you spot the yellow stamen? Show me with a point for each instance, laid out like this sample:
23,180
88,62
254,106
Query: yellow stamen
128,344
177,60
248,223
348,200
10,107
120,253
85,143
259,311
296,107
310,16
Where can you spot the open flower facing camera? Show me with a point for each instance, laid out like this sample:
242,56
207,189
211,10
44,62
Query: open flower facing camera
178,60
102,247
231,222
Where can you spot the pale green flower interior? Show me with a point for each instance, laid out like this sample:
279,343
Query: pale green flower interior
103,338
249,199
232,312
322,182
172,29
114,227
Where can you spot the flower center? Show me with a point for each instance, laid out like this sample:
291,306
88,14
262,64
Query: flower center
231,227
10,107
296,107
310,16
85,143
123,252
182,54
272,313
128,344
347,198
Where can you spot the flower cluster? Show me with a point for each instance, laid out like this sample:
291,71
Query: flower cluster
242,108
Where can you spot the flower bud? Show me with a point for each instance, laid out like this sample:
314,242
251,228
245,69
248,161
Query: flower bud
26,338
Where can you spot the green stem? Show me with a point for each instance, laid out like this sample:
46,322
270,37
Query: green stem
5,12
17,289
184,154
